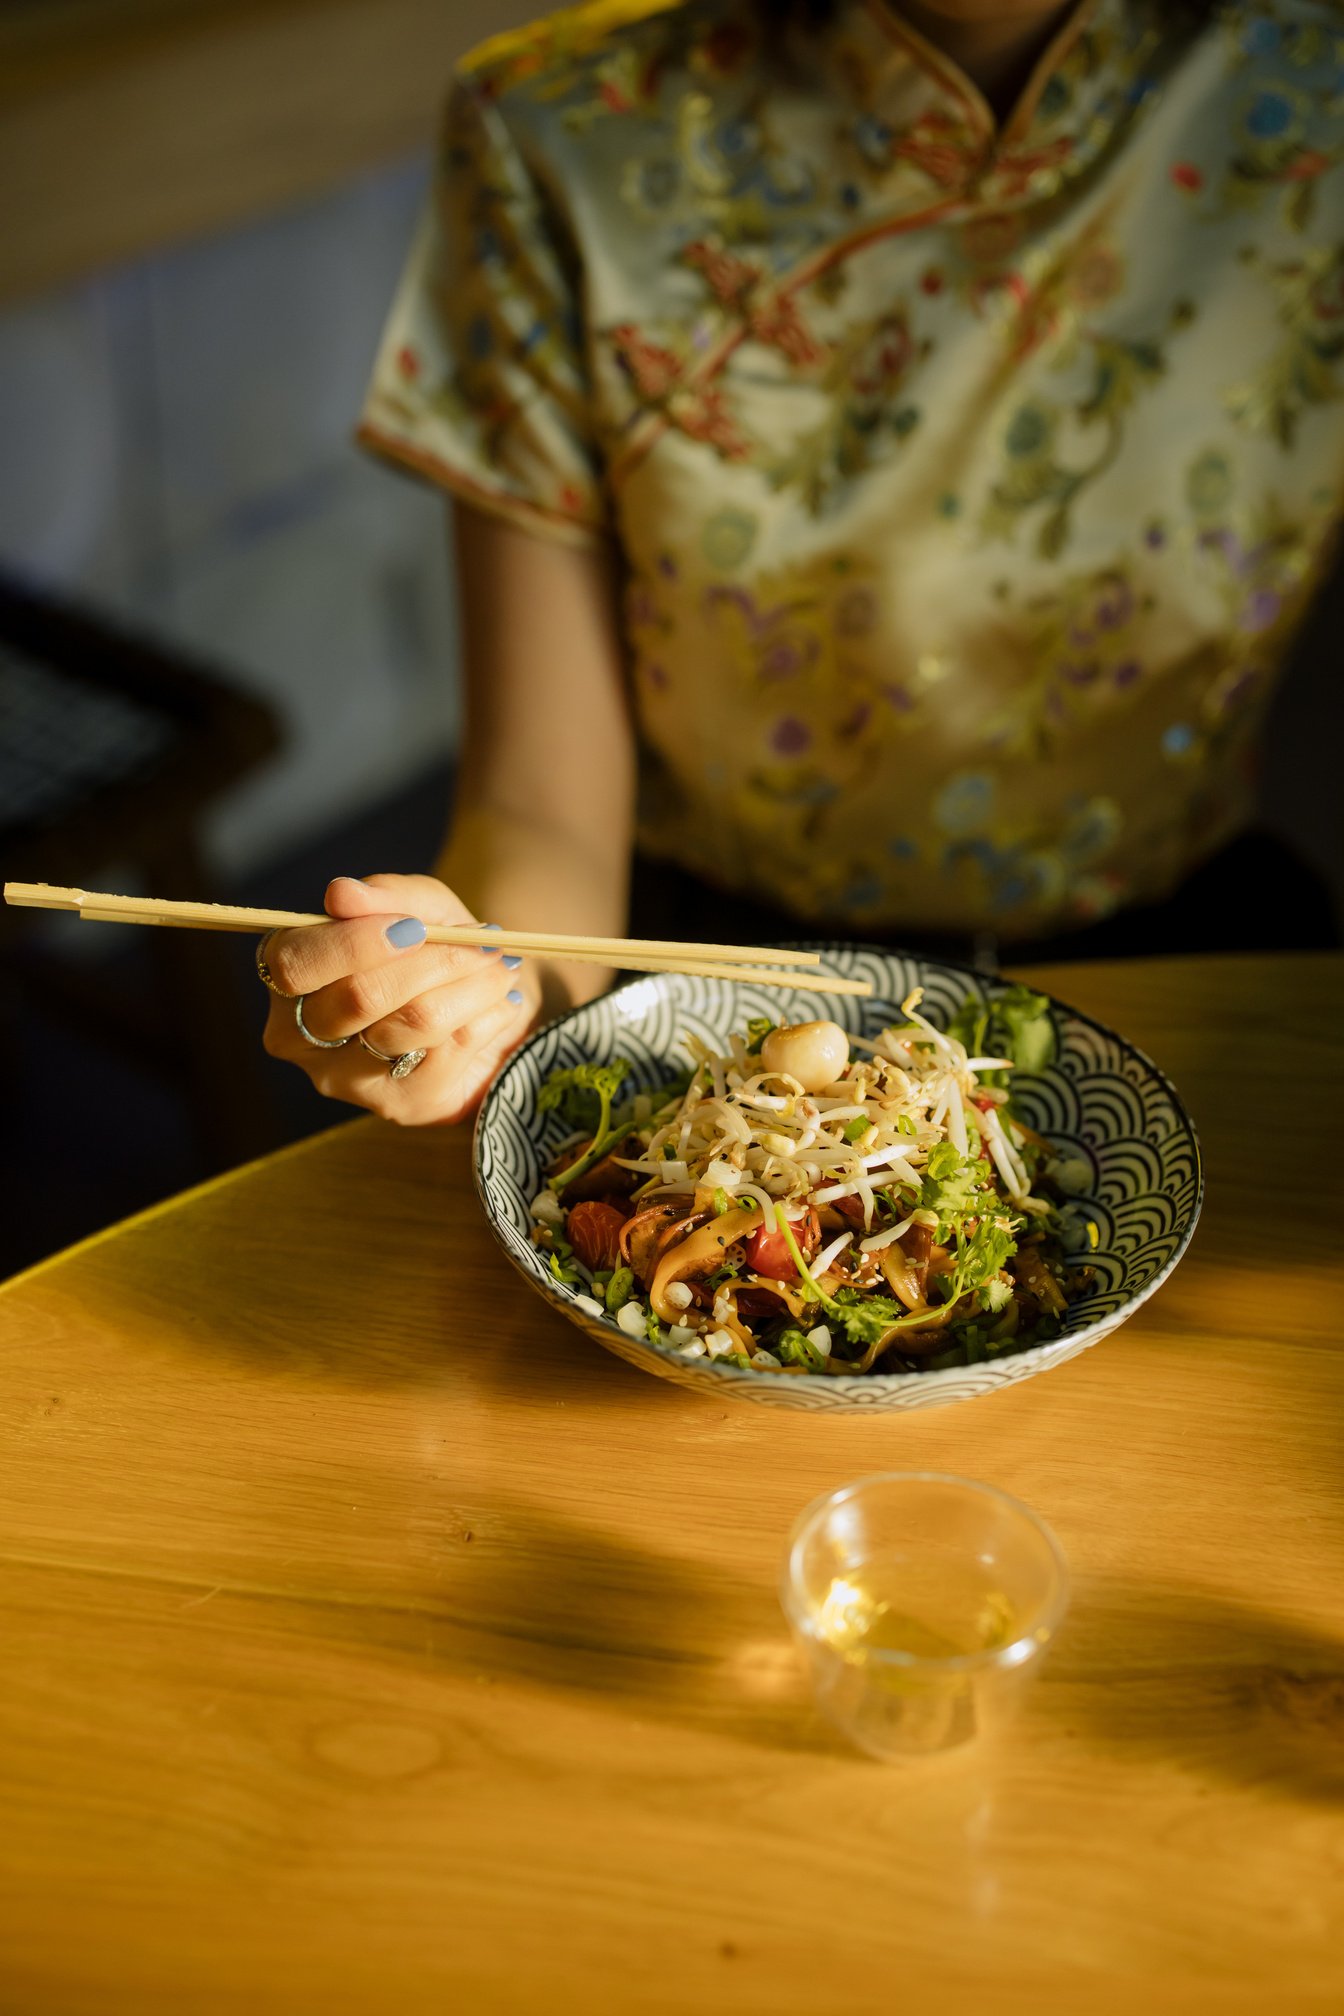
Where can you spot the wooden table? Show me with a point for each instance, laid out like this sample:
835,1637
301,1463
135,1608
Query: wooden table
371,1642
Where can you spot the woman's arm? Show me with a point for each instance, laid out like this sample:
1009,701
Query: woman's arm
540,839
542,829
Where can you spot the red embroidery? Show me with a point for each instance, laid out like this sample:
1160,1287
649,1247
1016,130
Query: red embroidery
1186,176
730,279
704,416
946,152
408,363
654,370
735,282
779,324
1305,167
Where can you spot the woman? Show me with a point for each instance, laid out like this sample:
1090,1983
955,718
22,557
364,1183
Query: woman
892,447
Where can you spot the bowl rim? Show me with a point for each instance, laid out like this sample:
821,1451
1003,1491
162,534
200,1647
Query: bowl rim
879,1382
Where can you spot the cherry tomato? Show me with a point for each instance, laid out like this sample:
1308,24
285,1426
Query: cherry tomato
768,1252
594,1231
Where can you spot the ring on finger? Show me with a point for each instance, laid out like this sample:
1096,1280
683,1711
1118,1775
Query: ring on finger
397,1067
409,1061
264,974
318,1042
383,1056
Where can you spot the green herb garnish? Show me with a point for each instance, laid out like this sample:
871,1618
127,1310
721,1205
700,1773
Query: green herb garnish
561,1092
619,1289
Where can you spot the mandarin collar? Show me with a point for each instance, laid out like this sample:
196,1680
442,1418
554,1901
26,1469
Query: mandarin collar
924,129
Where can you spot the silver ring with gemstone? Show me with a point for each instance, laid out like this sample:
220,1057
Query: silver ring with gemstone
318,1042
397,1067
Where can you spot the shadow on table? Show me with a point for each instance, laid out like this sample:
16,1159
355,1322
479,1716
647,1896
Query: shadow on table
1231,1693
528,1595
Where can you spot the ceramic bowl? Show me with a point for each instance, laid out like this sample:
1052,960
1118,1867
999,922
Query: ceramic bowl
1102,1101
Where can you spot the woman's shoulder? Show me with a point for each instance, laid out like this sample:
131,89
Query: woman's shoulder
607,59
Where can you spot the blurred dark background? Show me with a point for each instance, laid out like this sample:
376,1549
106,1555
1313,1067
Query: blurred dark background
204,208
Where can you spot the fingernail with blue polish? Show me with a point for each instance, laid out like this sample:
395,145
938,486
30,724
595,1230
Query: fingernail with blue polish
513,961
405,932
514,998
491,927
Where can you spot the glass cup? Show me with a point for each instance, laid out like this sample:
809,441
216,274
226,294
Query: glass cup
924,1605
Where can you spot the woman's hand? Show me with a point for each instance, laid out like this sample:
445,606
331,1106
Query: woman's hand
467,1009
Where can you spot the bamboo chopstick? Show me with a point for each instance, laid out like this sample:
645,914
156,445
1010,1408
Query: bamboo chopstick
639,955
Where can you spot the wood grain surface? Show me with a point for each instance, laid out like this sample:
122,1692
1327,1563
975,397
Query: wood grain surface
372,1642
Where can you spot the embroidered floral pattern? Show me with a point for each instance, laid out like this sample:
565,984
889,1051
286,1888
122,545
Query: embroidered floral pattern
968,484
701,412
1036,475
866,419
1305,370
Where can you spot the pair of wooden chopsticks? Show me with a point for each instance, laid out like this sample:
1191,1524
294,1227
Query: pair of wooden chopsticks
639,955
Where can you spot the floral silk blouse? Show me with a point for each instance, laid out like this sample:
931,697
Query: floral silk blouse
968,479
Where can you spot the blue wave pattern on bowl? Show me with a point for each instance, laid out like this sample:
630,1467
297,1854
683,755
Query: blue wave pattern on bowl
1102,1102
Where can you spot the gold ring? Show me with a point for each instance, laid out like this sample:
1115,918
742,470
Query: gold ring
264,973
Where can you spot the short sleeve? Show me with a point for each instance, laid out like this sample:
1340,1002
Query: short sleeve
480,382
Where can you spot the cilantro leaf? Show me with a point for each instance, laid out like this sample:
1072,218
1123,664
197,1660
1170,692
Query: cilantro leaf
951,1186
796,1348
867,1321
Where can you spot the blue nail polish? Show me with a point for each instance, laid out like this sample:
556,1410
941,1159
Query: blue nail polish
513,961
514,998
405,932
491,927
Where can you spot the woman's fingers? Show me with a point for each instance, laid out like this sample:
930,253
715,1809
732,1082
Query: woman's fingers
370,971
438,1014
370,995
386,895
307,960
446,1087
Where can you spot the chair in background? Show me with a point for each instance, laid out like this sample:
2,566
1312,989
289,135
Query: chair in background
111,750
